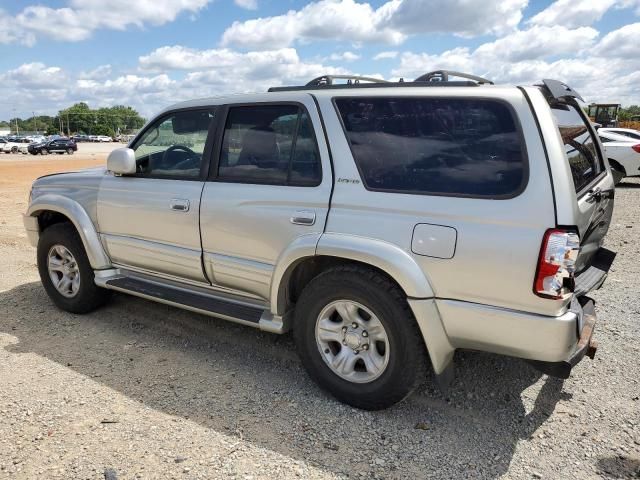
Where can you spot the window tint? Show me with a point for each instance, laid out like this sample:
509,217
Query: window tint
271,144
435,145
579,147
173,146
605,139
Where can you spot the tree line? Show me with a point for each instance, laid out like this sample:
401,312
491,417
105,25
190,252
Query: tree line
80,119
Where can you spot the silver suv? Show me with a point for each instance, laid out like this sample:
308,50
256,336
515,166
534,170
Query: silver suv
386,223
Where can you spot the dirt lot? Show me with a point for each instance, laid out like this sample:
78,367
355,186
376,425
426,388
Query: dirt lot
142,390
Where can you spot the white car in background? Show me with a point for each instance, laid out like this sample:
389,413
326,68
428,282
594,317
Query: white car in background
622,151
625,132
104,138
11,146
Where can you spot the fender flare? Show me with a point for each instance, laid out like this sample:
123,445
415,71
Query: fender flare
385,256
80,219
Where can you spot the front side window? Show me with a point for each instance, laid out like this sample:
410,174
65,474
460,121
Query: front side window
174,145
579,145
440,146
271,144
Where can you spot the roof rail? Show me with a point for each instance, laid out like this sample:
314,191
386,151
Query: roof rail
443,76
351,79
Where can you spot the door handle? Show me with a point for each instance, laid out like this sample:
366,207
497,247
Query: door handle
304,217
179,204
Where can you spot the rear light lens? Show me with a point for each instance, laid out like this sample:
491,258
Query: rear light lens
636,148
556,264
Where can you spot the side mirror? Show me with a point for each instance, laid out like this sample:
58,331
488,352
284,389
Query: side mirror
121,161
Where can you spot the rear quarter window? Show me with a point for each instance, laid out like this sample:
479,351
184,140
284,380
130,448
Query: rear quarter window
437,146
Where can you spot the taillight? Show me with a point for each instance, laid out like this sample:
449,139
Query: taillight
636,148
556,264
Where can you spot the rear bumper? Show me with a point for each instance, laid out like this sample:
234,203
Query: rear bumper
585,346
553,345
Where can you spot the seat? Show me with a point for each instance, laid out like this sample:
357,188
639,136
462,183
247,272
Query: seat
259,148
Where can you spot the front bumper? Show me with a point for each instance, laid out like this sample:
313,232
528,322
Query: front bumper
585,346
33,229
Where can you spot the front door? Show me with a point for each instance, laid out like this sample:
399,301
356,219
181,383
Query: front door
271,186
149,220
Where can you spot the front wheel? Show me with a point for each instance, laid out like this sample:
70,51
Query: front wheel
357,337
70,151
65,270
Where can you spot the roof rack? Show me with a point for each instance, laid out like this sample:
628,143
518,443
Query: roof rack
431,79
351,80
443,76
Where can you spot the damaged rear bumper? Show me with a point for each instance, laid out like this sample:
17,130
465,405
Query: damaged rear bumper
586,345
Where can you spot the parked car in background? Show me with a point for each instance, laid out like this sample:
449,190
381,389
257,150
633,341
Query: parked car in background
12,145
622,151
387,225
104,138
625,132
58,145
80,138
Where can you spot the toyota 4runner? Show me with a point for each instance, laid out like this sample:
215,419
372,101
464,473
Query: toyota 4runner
386,223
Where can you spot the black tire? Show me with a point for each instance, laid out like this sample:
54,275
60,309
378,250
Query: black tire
89,295
14,149
70,151
407,363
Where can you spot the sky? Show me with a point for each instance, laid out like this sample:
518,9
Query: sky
152,53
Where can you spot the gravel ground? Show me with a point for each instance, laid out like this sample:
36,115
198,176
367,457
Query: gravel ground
142,390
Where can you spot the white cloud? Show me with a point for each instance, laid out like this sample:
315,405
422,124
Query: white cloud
630,4
386,55
247,4
520,59
621,43
344,57
462,17
391,23
81,18
334,19
35,76
572,13
539,41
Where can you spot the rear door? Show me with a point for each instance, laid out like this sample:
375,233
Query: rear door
592,181
269,185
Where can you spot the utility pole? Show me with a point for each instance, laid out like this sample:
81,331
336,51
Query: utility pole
35,121
68,127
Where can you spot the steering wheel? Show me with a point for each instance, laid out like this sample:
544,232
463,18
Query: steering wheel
173,148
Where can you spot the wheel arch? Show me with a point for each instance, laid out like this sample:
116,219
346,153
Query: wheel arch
312,254
50,209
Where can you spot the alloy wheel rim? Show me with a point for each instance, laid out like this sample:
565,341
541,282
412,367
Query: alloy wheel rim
63,271
352,341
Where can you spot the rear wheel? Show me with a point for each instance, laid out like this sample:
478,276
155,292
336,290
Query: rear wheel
70,151
65,270
14,149
357,337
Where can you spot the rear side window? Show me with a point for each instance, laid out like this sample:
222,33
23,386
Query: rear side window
272,144
579,145
439,146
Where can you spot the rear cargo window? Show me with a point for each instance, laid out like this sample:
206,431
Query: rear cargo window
579,146
439,146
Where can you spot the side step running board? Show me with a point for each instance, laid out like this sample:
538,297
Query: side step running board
195,301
